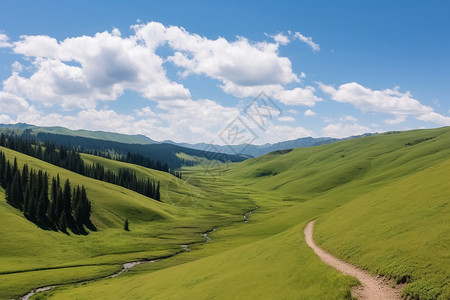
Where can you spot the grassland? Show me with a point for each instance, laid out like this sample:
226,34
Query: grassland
381,203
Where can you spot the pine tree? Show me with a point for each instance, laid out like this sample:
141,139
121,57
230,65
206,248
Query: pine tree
41,213
157,195
25,173
26,200
67,199
8,174
77,207
2,169
59,202
62,223
126,225
52,208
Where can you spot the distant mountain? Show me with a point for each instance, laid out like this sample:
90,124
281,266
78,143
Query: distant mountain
100,135
258,150
244,150
160,154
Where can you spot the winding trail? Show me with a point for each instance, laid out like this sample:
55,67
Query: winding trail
373,288
125,267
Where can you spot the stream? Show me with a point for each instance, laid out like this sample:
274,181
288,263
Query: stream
247,213
125,267
129,265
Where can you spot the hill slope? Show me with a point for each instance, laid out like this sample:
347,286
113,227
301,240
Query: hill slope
377,199
157,229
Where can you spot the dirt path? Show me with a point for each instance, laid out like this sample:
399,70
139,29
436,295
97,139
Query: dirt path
373,288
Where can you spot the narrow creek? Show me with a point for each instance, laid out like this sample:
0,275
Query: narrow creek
129,265
125,267
247,213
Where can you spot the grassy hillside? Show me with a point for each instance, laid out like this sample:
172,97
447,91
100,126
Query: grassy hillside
381,203
157,229
400,230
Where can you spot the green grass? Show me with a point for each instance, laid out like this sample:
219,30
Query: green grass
401,230
381,203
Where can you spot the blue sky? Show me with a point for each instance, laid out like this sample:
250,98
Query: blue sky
186,71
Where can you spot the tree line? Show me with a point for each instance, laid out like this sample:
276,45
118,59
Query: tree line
28,191
71,160
125,178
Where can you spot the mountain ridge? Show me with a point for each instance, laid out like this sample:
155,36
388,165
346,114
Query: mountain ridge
242,149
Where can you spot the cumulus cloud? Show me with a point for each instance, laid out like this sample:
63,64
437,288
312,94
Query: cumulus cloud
4,41
200,120
308,40
348,119
80,70
298,96
5,119
286,119
340,130
240,62
281,38
309,113
295,96
397,120
390,101
145,112
436,118
12,104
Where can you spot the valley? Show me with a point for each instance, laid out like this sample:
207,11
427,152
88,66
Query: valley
380,202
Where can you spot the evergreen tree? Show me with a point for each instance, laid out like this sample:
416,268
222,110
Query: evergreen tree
26,200
8,174
2,169
52,208
126,225
41,213
62,223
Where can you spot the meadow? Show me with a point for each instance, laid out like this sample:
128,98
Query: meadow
381,203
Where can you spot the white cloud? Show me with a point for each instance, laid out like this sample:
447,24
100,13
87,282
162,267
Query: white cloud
17,67
436,118
91,119
145,112
80,70
281,39
390,101
286,119
348,118
340,130
12,104
5,119
4,41
240,62
197,121
309,113
308,40
397,120
292,111
295,96
298,96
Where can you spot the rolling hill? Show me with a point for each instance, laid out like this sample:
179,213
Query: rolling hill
381,202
